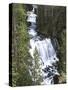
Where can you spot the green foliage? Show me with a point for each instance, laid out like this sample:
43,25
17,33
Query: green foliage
24,78
62,57
20,53
21,59
51,20
36,69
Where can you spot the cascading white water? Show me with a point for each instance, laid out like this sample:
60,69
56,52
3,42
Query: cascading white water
45,49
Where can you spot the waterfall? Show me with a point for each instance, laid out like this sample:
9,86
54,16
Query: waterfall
45,50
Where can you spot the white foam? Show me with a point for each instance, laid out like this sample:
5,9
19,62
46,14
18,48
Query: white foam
45,50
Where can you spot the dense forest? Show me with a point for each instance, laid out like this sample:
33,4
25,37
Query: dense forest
51,23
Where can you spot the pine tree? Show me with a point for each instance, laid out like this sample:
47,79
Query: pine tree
35,69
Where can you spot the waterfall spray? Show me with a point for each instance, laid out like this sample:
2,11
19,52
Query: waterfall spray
45,50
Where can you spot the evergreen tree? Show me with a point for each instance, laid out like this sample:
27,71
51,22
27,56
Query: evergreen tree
36,70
